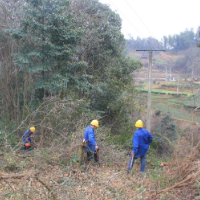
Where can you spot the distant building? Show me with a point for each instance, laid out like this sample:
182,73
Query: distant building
173,79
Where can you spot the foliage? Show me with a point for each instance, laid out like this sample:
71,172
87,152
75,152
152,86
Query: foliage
166,134
181,41
189,62
48,37
142,43
102,48
157,112
9,80
68,50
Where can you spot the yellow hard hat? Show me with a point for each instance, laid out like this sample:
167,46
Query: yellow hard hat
139,124
32,129
95,123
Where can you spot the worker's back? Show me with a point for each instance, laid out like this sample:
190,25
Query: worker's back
141,141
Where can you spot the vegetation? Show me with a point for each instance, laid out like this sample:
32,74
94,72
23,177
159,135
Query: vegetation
71,50
64,63
166,134
181,41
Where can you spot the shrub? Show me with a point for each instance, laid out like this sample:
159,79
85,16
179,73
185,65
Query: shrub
154,144
157,112
166,134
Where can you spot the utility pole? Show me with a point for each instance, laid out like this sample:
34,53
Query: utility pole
170,78
177,85
149,89
149,94
192,73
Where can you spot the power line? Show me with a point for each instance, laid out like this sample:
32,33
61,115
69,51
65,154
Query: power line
130,23
135,27
141,20
138,17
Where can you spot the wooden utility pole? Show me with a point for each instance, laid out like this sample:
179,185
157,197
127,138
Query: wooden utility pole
177,85
192,73
149,94
149,89
170,78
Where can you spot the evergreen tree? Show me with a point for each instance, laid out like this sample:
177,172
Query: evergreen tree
48,35
102,48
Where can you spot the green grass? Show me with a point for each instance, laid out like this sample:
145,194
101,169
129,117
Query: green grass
175,112
163,91
168,103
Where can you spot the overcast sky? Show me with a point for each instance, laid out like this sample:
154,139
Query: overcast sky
156,18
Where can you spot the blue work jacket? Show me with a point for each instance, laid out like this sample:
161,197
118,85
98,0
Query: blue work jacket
27,136
141,141
90,137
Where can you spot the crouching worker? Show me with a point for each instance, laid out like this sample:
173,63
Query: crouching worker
141,141
89,136
27,138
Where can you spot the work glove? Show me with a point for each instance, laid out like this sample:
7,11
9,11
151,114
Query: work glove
27,144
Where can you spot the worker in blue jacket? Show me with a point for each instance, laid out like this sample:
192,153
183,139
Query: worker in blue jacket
141,141
89,136
27,138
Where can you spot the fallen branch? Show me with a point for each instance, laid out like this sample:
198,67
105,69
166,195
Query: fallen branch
17,176
45,184
175,186
13,176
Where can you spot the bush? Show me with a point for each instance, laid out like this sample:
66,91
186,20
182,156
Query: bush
154,144
166,134
157,112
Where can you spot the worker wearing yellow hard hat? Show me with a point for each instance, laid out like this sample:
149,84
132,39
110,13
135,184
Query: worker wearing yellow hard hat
89,136
141,140
27,138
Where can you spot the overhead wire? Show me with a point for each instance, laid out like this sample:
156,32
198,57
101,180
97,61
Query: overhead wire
143,24
138,17
130,22
136,28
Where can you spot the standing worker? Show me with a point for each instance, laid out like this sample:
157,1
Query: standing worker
89,136
141,141
27,138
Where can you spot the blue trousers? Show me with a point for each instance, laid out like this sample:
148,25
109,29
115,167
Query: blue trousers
142,161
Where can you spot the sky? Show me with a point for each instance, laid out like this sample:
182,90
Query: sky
156,18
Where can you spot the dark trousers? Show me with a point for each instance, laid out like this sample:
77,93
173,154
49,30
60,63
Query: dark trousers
91,154
27,148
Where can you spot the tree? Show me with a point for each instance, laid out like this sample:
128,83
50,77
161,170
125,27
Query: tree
9,73
46,56
49,35
102,48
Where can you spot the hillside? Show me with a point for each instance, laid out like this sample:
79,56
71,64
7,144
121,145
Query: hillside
55,175
184,63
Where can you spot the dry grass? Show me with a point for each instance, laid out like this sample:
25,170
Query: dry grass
52,172
41,174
